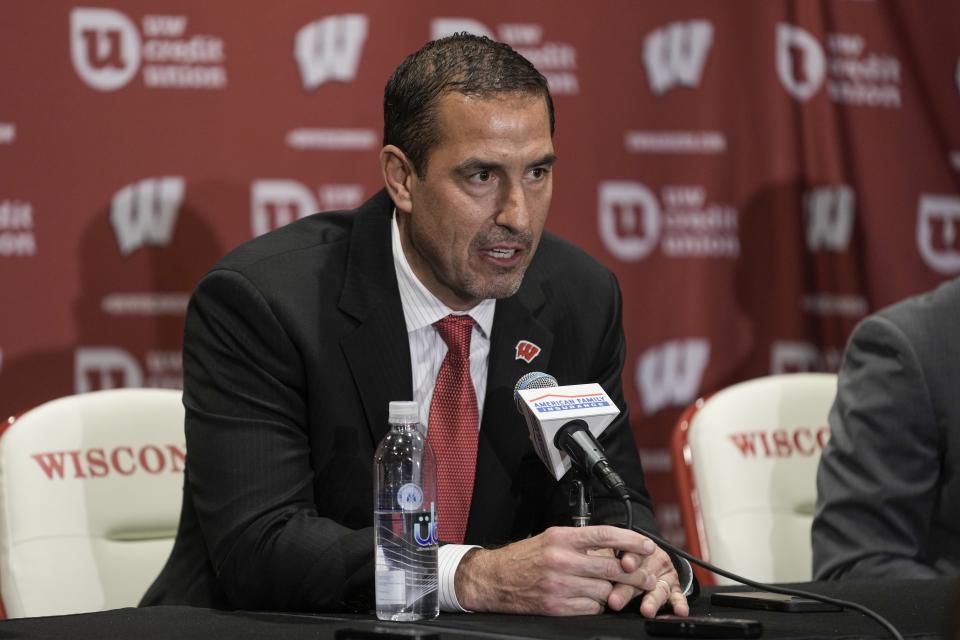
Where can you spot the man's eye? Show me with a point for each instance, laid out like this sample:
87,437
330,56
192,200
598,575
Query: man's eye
482,176
538,172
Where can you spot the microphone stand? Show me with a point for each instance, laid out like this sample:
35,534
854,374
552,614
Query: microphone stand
580,501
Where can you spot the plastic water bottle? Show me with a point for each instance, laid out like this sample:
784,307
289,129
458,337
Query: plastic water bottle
405,520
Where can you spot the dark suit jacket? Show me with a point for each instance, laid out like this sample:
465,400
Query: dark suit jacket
295,343
889,478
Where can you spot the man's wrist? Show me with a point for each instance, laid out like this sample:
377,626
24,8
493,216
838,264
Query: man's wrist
468,584
449,558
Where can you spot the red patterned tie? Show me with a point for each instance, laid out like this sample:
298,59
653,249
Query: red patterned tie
453,425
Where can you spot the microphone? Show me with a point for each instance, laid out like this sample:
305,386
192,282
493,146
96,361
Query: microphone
566,420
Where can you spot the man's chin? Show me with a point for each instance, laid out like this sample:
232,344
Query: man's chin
500,290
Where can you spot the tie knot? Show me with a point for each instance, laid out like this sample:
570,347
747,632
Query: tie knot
455,331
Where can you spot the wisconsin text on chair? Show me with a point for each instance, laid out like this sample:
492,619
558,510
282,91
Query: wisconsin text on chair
745,462
90,490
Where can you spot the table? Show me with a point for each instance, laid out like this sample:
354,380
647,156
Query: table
919,609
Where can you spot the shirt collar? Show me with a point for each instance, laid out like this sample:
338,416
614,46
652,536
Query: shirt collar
420,307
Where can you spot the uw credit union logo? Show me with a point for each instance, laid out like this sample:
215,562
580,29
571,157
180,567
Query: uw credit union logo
852,73
107,49
683,223
104,47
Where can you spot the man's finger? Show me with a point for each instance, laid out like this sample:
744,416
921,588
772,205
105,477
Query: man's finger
575,607
678,602
606,567
654,599
616,538
579,587
621,595
632,562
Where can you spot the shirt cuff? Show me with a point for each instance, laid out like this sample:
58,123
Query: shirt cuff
685,575
448,559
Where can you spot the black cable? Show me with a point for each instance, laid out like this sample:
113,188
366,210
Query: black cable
760,585
629,506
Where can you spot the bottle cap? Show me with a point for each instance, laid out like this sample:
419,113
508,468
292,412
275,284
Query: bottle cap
404,411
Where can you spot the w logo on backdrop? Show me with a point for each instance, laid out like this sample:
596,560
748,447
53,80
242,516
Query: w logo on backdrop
829,215
145,212
104,47
670,374
329,49
674,54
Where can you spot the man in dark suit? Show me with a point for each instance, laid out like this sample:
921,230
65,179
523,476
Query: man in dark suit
888,484
296,342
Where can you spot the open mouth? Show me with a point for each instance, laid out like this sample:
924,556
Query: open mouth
501,254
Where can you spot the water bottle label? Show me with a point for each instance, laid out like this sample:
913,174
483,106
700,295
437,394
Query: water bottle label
391,587
410,497
425,528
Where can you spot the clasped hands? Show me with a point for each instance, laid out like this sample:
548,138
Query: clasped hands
570,571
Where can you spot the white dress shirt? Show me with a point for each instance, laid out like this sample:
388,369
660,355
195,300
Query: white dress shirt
427,350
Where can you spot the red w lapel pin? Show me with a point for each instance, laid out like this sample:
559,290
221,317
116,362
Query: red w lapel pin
527,351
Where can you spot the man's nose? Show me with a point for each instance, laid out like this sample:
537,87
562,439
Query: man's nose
514,213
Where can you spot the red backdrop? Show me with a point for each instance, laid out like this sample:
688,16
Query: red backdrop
759,174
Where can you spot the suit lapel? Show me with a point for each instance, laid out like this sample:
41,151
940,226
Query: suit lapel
377,351
503,438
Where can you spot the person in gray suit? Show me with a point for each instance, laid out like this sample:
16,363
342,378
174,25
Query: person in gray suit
889,479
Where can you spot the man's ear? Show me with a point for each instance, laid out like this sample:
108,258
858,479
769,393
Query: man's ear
397,176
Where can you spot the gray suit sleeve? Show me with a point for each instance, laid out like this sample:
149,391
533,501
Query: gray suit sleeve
877,480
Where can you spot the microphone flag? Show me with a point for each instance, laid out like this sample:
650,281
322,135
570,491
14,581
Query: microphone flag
548,409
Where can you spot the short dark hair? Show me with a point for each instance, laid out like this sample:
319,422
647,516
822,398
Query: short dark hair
462,63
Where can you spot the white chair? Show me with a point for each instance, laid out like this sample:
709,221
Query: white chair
90,489
745,463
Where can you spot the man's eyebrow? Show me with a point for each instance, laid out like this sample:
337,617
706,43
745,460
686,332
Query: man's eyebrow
476,164
546,160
